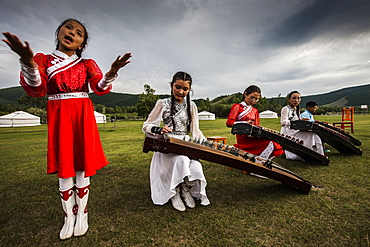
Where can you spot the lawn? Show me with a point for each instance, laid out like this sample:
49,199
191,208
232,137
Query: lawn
244,210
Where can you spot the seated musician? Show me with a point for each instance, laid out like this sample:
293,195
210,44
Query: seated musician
311,108
175,176
307,115
289,113
244,111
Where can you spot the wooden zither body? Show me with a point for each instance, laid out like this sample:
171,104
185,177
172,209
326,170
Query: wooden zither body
225,155
331,135
289,143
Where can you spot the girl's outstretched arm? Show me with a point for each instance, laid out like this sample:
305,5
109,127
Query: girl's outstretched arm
119,63
24,51
111,75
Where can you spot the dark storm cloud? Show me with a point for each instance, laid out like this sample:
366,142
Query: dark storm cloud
328,18
225,45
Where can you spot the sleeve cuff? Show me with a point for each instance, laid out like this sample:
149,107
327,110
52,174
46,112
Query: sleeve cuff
106,82
31,75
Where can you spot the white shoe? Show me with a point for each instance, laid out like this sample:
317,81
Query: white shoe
69,205
185,193
82,195
177,202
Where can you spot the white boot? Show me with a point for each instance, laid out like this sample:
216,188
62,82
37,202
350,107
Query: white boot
185,193
177,202
82,195
69,207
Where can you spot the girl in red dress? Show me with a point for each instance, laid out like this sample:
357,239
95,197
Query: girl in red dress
74,147
244,111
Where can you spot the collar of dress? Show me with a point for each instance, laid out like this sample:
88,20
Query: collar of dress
292,108
61,62
246,109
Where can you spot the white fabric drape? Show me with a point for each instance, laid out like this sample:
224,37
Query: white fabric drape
311,140
169,170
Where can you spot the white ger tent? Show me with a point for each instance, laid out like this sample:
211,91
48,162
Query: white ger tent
268,114
100,118
205,115
19,119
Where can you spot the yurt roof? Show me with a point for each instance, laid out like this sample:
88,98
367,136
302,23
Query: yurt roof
19,115
19,119
205,113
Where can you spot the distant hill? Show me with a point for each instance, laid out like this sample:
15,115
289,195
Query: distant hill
351,96
9,96
118,99
115,99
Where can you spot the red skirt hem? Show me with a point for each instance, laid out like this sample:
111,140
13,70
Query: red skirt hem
73,138
257,145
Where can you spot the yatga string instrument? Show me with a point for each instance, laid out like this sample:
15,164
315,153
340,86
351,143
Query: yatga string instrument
225,155
290,143
335,137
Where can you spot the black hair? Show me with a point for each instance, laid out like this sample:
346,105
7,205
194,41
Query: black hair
251,89
311,104
185,77
290,95
86,35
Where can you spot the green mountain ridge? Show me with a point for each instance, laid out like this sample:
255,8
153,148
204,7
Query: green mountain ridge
350,96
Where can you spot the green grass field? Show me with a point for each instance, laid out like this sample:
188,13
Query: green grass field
244,210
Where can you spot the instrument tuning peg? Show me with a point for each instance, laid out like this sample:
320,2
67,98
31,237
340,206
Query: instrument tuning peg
253,159
203,142
246,156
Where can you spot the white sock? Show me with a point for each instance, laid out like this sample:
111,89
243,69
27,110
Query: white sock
65,183
81,180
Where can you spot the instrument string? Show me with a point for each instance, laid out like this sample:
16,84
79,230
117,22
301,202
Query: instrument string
268,163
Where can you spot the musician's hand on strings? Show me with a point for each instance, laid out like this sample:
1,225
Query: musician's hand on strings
166,129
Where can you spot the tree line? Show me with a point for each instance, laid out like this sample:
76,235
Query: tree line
219,106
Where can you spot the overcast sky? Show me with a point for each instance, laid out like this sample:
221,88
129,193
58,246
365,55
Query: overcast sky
225,45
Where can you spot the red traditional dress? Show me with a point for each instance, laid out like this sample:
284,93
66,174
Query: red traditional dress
73,137
244,112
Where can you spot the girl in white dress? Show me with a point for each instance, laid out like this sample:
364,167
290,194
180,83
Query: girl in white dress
291,113
174,176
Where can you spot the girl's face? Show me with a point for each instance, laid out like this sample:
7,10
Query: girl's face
180,90
71,37
252,98
294,99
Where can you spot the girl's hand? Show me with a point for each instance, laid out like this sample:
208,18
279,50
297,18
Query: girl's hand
166,129
17,46
119,63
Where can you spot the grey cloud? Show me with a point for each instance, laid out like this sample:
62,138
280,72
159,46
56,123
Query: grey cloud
224,45
338,18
